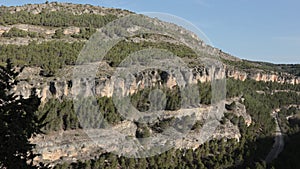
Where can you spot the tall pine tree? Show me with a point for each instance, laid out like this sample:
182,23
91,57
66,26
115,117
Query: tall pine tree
18,122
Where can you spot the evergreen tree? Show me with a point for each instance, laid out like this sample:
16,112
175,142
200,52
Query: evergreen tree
18,122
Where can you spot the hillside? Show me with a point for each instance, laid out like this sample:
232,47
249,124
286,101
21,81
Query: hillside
109,79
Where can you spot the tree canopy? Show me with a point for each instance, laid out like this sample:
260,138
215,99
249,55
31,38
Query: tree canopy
18,122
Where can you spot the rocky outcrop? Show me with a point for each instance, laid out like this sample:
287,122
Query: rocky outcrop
44,34
3,29
69,146
71,30
259,75
72,8
240,109
63,86
79,144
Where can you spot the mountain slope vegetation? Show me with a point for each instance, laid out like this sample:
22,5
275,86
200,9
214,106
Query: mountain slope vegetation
49,37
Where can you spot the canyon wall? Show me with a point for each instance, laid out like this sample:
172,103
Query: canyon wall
282,78
63,86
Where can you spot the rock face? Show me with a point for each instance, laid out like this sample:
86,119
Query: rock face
64,86
71,30
76,144
259,75
3,29
69,146
72,8
240,109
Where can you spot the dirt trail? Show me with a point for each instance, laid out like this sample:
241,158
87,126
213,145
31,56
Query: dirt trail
279,141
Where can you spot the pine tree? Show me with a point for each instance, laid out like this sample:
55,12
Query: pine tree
18,122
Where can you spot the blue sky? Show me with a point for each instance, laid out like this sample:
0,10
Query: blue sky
262,30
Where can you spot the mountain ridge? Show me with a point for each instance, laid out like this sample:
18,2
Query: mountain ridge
45,40
79,9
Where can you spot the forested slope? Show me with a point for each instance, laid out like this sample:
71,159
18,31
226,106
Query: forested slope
47,38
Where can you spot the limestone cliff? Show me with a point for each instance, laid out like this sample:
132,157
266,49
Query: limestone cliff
260,75
69,146
72,145
64,86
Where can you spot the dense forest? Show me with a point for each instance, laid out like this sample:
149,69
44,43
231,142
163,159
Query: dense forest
15,32
259,98
254,145
55,19
50,56
54,55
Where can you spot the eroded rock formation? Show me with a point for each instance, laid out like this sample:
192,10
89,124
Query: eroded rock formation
65,86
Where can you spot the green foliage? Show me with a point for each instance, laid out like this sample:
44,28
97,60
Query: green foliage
231,106
121,50
162,125
15,32
214,154
259,136
289,125
142,131
205,93
55,19
293,69
59,34
85,33
254,144
197,126
109,110
176,98
244,64
53,55
61,114
50,56
291,128
18,123
289,158
253,147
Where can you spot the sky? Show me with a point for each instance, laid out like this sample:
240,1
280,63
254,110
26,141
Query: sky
259,30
